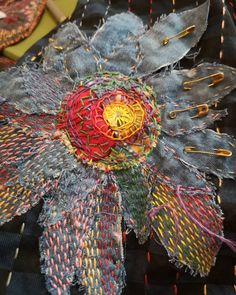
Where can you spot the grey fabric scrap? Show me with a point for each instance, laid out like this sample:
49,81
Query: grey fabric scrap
123,59
169,87
168,163
209,141
82,61
34,91
155,54
66,38
115,31
184,123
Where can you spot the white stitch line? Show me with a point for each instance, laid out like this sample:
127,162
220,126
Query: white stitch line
83,14
222,39
15,256
107,10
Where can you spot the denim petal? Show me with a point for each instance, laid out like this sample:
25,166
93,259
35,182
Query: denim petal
155,54
116,31
169,87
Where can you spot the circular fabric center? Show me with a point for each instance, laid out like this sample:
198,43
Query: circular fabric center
122,115
110,121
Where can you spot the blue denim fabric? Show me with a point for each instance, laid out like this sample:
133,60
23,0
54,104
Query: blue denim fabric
155,54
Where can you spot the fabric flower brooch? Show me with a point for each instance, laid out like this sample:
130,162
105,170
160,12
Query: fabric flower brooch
103,135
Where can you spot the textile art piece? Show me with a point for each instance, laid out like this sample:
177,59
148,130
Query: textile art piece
18,19
108,132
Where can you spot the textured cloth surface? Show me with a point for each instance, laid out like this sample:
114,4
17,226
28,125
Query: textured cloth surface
148,270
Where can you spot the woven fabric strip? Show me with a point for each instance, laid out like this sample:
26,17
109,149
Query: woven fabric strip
134,189
103,269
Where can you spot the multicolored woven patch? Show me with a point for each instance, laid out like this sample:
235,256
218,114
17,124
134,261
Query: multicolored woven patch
174,216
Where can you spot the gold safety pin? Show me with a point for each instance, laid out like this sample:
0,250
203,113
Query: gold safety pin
202,110
216,79
181,34
217,152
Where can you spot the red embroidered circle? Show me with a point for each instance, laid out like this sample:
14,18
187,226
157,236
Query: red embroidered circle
110,127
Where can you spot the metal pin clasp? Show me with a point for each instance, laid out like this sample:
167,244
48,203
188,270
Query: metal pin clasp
181,34
202,110
216,152
216,79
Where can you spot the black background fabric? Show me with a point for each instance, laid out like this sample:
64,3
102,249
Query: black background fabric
157,276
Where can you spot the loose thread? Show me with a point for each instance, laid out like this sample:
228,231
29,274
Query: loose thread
229,243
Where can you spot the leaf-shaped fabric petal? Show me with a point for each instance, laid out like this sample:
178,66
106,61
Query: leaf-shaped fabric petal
103,254
16,145
205,145
187,120
155,54
116,31
169,86
134,191
62,245
29,165
188,224
33,91
165,160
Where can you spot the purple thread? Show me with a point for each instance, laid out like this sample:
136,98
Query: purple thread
231,244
